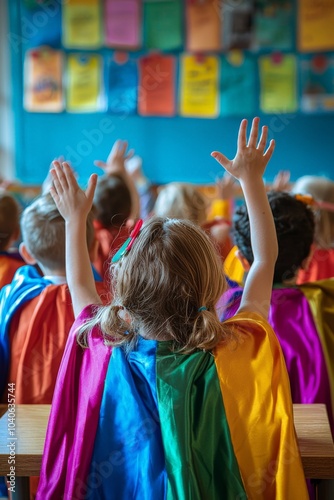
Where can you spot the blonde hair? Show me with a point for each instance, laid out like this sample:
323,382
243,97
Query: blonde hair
43,232
162,284
181,201
321,189
9,219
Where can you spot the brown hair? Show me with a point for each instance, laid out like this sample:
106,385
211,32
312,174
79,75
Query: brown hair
9,219
170,273
112,201
43,232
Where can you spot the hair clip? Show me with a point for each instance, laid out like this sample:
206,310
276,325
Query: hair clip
127,245
309,200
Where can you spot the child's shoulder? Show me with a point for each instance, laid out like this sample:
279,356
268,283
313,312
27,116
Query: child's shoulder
251,332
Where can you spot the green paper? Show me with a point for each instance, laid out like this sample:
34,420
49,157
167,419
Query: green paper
163,25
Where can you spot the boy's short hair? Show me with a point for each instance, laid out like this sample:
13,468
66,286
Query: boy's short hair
9,219
43,232
112,201
295,226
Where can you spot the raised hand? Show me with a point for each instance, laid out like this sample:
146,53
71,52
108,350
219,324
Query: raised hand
70,199
226,186
251,157
281,181
116,159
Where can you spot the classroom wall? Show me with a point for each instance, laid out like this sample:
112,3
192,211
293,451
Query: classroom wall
172,148
6,114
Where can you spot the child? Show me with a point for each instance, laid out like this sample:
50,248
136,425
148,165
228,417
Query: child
322,262
184,201
298,325
35,311
140,413
10,259
116,203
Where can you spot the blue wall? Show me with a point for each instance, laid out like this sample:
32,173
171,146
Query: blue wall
171,148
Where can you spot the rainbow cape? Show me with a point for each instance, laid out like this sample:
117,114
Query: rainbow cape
156,424
303,320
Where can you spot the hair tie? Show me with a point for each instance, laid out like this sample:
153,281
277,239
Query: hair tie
202,308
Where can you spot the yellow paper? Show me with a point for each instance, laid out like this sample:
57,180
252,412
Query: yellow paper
278,84
199,86
82,24
315,25
84,74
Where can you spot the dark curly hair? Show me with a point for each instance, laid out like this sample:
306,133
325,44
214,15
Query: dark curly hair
295,227
112,201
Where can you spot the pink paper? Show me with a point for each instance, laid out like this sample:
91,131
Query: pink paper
123,23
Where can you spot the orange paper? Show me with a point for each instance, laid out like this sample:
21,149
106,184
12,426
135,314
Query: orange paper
204,21
315,25
156,95
43,80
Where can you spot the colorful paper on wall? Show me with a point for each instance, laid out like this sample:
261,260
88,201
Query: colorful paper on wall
237,24
278,93
238,85
163,24
84,89
317,82
273,25
82,24
123,23
315,25
43,80
40,25
157,86
203,25
199,85
122,87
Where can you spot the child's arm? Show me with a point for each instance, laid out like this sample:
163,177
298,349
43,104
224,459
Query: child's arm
115,165
74,205
248,167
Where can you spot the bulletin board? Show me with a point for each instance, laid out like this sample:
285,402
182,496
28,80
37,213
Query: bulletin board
177,145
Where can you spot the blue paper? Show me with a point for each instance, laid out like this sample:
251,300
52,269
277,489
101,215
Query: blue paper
122,87
317,83
273,25
237,87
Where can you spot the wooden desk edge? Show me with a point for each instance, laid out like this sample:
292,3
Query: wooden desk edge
29,465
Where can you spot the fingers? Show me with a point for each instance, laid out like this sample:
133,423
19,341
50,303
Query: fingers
100,164
242,134
263,138
69,175
130,154
222,159
91,187
270,150
254,133
58,177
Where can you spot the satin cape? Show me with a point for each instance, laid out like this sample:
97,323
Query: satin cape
36,318
159,424
303,320
109,241
321,266
9,264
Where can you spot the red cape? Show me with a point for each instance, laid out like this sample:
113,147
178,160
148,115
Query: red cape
38,335
8,266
